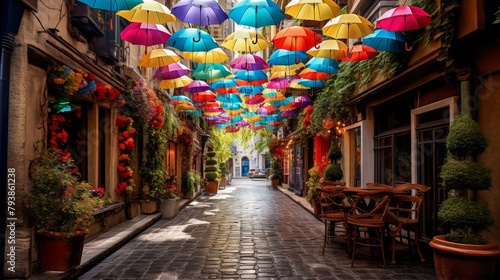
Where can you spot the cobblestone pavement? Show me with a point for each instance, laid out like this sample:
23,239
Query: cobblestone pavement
247,231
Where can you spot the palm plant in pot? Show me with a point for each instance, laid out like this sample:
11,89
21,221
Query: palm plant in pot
60,207
463,253
211,172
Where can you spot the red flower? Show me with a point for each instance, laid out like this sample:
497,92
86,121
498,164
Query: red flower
64,155
130,143
121,168
122,147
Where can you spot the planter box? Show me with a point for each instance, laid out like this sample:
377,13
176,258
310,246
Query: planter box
149,206
169,208
58,253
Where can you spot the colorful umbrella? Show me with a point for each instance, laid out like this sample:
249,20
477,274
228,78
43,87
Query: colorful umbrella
404,18
278,83
250,75
196,86
311,83
225,83
294,84
311,74
204,96
249,62
216,55
301,101
256,99
176,99
210,71
256,13
360,52
296,38
332,49
321,64
171,71
348,26
242,41
250,90
286,57
229,98
192,40
150,12
176,83
158,57
383,40
145,34
111,5
317,10
199,12
184,107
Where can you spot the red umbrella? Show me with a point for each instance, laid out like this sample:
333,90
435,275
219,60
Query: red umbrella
255,99
227,90
145,34
360,52
311,74
296,38
404,18
204,96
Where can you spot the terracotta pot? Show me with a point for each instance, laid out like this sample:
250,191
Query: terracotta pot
463,261
58,253
169,208
223,182
149,206
276,182
212,187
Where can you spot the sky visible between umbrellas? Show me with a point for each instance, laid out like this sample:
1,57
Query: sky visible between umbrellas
250,90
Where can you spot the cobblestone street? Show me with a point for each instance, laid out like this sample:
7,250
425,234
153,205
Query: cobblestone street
247,231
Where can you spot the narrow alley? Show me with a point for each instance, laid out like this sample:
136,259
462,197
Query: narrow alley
246,231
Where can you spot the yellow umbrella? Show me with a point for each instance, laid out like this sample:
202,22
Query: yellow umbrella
150,12
216,55
158,57
317,10
244,41
333,49
233,113
184,107
296,85
348,26
293,67
182,81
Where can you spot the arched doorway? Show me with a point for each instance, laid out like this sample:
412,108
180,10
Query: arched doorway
245,165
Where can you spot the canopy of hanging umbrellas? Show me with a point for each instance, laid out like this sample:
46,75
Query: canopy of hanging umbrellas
249,90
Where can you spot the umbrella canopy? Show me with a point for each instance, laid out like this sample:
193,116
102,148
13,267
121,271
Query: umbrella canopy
256,13
229,98
204,96
278,83
242,41
111,5
158,57
216,55
171,71
184,107
295,85
348,26
323,65
225,83
404,18
192,40
383,40
250,90
332,49
176,83
145,34
296,38
256,99
317,10
301,101
286,57
150,12
311,83
311,74
210,71
179,99
199,12
249,62
196,86
360,52
250,75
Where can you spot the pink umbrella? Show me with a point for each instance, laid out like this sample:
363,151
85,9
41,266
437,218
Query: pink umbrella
278,83
145,34
256,99
243,123
249,62
171,71
196,86
404,18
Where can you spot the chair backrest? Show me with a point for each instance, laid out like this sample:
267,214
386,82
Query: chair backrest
331,199
412,189
378,185
376,208
406,207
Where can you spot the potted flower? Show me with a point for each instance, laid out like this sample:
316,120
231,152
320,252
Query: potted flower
463,253
188,185
169,198
276,173
314,182
211,173
60,207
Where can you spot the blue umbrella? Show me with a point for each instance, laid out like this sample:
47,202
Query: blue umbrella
250,90
180,98
199,12
192,40
209,71
383,40
311,83
256,13
231,106
112,5
286,57
321,64
229,98
224,83
252,75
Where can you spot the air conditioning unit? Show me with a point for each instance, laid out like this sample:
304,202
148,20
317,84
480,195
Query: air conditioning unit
131,73
86,20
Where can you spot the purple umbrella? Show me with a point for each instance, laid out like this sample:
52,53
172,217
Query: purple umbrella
196,86
289,113
145,34
249,62
199,12
171,71
278,83
301,101
262,111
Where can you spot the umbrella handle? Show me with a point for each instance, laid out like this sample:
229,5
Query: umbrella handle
408,48
256,38
199,37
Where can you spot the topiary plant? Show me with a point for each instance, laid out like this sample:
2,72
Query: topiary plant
211,170
334,153
462,176
333,172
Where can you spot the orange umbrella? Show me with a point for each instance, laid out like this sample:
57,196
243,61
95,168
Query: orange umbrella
311,74
360,52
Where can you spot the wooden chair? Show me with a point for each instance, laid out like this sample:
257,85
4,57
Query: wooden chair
378,185
367,225
417,189
331,203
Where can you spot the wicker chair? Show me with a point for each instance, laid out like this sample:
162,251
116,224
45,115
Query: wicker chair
331,202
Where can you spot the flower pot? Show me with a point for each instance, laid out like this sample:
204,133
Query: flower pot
149,206
222,182
58,253
463,261
276,182
169,208
189,195
212,187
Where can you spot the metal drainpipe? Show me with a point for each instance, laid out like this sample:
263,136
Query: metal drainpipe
11,13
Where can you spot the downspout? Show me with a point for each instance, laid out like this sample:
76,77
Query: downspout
11,13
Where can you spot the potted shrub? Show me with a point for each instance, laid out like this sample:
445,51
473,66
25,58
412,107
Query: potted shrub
333,171
315,181
60,207
275,173
168,197
463,253
223,173
211,173
188,186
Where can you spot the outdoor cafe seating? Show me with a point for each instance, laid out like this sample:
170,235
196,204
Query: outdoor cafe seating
331,202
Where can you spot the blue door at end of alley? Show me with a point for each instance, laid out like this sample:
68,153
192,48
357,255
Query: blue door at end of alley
245,164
